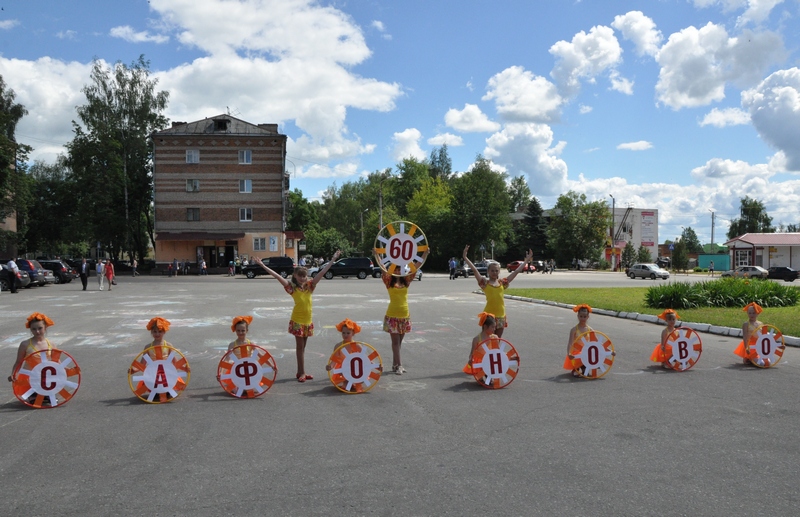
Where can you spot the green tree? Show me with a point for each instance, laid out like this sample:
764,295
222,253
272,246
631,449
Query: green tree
520,193
680,256
430,209
643,255
14,193
628,257
692,242
753,219
440,166
302,214
324,243
578,228
122,110
411,174
54,230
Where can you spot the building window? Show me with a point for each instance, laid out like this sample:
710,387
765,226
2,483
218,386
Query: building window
245,186
193,156
259,244
245,214
192,214
192,185
290,243
246,157
221,124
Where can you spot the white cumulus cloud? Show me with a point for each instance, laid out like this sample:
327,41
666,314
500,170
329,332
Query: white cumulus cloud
446,139
620,84
127,33
521,96
406,145
641,30
585,57
8,24
470,120
725,117
641,145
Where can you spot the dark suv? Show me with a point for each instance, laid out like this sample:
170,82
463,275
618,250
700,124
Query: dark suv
284,266
360,267
62,271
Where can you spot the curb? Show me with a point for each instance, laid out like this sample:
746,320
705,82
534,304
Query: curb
649,318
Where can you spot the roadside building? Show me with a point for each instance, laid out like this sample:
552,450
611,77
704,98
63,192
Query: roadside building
639,226
220,191
765,250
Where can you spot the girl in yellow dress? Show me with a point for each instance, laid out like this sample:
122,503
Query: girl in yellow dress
301,324
583,312
494,288
37,323
662,352
748,327
397,321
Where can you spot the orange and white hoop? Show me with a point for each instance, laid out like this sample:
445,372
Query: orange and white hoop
247,371
46,379
593,354
355,367
683,348
159,374
765,346
495,363
400,246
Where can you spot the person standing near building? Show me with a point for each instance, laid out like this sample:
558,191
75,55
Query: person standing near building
711,268
84,273
14,270
101,269
109,272
134,264
453,265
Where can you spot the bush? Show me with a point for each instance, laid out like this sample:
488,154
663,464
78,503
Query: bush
700,270
725,292
603,264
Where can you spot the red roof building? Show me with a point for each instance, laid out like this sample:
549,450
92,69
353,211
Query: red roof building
765,250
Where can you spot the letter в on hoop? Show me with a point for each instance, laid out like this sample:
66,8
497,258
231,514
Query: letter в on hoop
159,374
247,371
495,363
683,348
46,379
399,246
356,367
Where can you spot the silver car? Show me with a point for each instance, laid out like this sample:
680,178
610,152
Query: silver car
651,271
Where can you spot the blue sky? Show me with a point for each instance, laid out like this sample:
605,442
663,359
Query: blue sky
679,105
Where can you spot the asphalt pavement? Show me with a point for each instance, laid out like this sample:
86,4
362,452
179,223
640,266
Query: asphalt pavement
715,440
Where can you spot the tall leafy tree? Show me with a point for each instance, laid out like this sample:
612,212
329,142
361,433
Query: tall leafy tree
431,209
14,194
643,255
753,219
122,110
628,255
54,229
578,228
302,214
692,242
680,257
411,174
440,166
519,192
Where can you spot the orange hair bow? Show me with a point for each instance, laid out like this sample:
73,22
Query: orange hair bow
159,323
482,317
754,305
239,319
664,314
38,316
350,324
581,306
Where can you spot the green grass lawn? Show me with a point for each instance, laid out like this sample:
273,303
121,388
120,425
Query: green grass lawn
631,299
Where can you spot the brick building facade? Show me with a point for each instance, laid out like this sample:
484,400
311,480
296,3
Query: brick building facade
220,191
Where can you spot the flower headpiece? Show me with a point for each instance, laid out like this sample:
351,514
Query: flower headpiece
159,323
38,316
663,315
581,306
482,317
754,305
239,319
350,324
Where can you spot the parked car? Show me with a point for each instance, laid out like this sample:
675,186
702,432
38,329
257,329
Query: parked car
62,272
651,271
360,267
6,277
465,271
747,272
784,273
513,266
34,270
284,266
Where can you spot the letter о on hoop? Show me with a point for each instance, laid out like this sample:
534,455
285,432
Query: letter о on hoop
47,379
247,371
399,247
159,374
355,367
495,363
593,354
765,346
683,349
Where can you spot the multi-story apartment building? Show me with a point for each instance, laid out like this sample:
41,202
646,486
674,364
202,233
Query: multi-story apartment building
220,191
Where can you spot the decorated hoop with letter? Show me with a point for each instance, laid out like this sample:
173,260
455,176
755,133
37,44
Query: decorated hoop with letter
495,363
159,374
683,348
47,379
593,354
765,346
247,371
399,246
355,367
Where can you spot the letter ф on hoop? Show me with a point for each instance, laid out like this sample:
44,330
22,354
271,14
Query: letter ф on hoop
247,371
47,379
159,374
399,247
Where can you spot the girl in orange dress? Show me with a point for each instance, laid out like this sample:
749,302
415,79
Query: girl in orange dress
583,312
37,323
748,327
662,352
301,324
240,325
488,325
349,329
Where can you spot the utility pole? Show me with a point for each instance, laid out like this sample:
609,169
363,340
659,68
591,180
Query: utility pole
613,243
711,247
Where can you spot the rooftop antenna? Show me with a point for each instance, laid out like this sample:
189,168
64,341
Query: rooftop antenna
234,113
